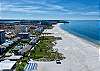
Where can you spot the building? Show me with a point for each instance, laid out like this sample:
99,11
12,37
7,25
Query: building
34,40
7,65
23,35
7,43
24,49
24,28
2,26
2,36
2,48
14,57
10,35
39,29
32,28
17,28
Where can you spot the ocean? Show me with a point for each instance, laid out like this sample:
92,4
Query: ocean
87,29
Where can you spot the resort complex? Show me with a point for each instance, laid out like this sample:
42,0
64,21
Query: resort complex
49,35
43,45
23,43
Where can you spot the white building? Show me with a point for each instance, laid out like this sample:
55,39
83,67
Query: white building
7,65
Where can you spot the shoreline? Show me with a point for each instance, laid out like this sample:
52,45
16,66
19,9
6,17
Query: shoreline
83,39
79,53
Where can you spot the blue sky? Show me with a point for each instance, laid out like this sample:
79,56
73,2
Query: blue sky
49,9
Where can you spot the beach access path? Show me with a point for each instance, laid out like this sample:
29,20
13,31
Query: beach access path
80,54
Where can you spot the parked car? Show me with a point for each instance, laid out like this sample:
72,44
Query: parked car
58,61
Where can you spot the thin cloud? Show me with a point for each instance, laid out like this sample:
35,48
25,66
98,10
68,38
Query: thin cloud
24,9
44,7
92,13
44,4
50,8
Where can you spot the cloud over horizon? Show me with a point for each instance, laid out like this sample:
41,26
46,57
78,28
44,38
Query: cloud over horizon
48,9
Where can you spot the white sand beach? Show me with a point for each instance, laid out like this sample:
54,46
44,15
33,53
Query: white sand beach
80,55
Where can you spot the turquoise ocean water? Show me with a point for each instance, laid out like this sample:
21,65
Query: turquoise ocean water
88,29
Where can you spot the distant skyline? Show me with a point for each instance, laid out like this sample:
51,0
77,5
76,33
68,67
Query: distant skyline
50,9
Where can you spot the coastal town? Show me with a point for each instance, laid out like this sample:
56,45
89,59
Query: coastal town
41,45
49,35
44,46
23,42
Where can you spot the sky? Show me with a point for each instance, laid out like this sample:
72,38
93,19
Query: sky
50,9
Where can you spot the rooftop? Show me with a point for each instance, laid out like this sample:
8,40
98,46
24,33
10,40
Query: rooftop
23,33
1,30
26,48
14,57
7,43
2,46
6,65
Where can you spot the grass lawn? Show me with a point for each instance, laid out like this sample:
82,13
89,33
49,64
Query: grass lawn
43,51
22,62
20,66
49,27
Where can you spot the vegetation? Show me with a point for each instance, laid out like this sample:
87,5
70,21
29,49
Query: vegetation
49,27
36,33
21,64
43,51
